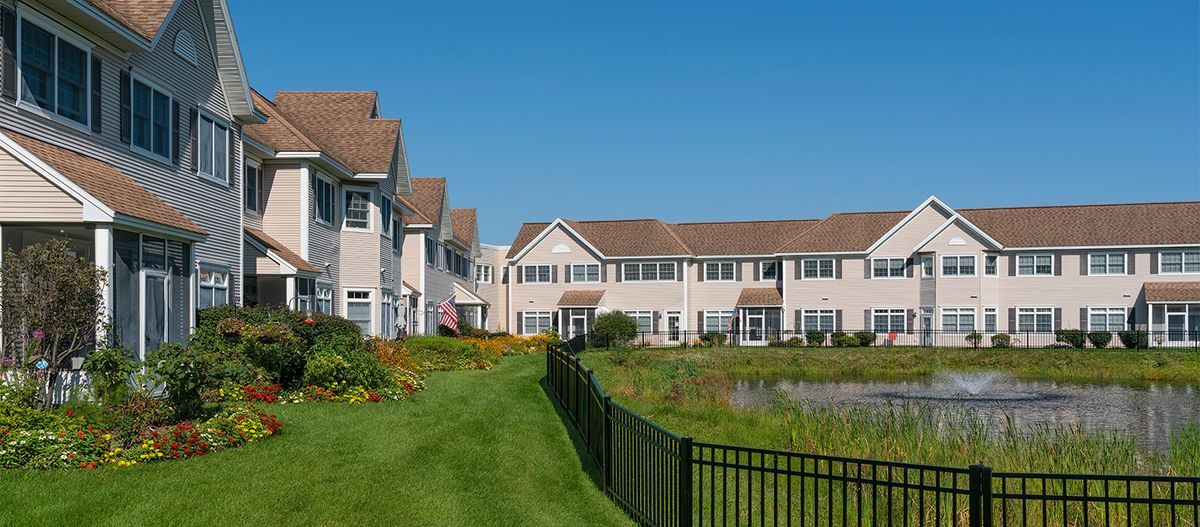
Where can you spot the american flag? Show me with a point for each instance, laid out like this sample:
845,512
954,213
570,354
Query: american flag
449,314
732,320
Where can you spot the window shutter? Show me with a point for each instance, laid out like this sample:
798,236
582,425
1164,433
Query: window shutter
678,272
700,321
97,99
231,151
1130,258
837,320
700,270
175,132
799,320
603,272
908,268
867,326
1012,264
520,322
909,316
1012,320
194,134
837,268
868,267
737,271
654,318
567,274
1083,319
1084,258
126,107
8,28
1154,262
799,269
1057,318
1057,264
520,274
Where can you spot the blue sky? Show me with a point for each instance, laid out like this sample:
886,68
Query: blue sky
702,111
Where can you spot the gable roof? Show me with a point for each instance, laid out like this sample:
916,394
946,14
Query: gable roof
844,232
345,124
106,183
144,17
740,237
759,297
281,250
463,221
613,238
411,214
428,195
278,132
1172,291
1091,225
580,298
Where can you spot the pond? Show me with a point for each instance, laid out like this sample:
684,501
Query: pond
1150,413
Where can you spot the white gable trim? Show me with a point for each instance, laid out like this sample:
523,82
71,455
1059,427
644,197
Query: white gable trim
970,226
94,210
558,222
284,267
166,22
931,200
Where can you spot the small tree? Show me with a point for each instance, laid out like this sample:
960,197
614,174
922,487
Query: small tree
615,328
51,308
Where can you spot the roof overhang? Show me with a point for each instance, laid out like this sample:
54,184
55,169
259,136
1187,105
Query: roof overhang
930,201
93,209
93,19
558,222
285,268
330,164
255,147
465,297
970,227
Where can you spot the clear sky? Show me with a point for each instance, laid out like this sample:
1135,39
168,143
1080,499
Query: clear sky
702,111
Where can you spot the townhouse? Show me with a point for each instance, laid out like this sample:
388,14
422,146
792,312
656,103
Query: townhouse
441,245
491,277
904,274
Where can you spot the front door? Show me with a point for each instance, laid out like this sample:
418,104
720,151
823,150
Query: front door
754,328
926,326
578,326
673,326
1176,326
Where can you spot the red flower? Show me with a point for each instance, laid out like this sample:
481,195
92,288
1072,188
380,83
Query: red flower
70,412
308,320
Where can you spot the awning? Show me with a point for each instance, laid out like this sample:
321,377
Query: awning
280,252
760,297
580,298
1172,291
465,297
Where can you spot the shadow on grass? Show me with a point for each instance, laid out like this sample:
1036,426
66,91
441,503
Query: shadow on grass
581,451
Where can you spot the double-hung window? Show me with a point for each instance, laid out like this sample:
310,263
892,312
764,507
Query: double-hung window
648,272
958,319
717,321
888,267
989,319
769,270
535,322
305,288
397,235
536,274
214,148
990,264
214,287
958,266
150,121
817,268
1035,319
1179,262
359,308
1101,264
719,272
253,188
926,267
1035,265
483,273
324,299
430,252
887,320
385,213
322,192
1106,319
358,210
818,319
585,273
55,73
644,319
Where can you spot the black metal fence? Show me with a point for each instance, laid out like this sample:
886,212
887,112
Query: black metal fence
1133,339
662,479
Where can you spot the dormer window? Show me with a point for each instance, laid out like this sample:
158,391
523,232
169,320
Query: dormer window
55,73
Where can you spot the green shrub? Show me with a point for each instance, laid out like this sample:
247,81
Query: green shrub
325,370
1001,340
184,372
865,338
1099,339
348,361
444,353
1134,339
14,416
1075,338
815,337
713,339
446,331
842,340
110,370
321,325
974,338
273,347
615,328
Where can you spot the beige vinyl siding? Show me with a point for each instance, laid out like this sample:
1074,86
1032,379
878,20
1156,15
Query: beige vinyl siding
256,262
281,203
496,293
905,240
960,291
27,196
216,208
705,295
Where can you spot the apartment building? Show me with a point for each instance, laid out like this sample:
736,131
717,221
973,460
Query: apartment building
491,279
441,245
1016,269
120,131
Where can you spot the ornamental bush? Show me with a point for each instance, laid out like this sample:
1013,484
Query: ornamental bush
814,338
110,370
1001,340
974,338
842,340
1134,338
1099,339
614,329
1075,338
865,338
443,353
273,347
713,339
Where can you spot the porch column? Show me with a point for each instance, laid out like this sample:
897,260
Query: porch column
104,255
293,302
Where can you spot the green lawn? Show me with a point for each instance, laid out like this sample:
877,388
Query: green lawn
477,448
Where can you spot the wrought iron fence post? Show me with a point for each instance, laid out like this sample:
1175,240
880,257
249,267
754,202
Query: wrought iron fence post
986,495
685,482
608,445
979,497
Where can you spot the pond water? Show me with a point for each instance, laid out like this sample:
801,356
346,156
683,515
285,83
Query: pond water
1149,413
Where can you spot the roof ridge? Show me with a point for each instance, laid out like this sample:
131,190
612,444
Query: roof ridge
1086,205
287,122
678,239
798,236
743,221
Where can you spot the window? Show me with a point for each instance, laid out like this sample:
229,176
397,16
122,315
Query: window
397,235
585,273
324,299
483,273
1106,319
151,125
719,272
649,272
888,268
447,258
535,322
322,191
253,188
990,262
430,253
537,274
717,321
1179,262
359,307
358,210
1035,319
989,319
1106,264
888,320
644,319
304,294
958,266
1035,265
958,319
385,213
818,319
817,268
768,270
214,148
214,288
926,267
55,74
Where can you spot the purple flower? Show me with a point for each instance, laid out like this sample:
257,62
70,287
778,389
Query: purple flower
6,361
39,334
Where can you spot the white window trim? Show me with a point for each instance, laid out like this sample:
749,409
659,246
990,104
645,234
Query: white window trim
719,264
202,113
932,263
397,233
257,165
903,272
995,311
1124,315
778,271
346,190
525,267
212,269
318,297
817,262
1124,267
957,257
1182,262
996,271
154,86
958,312
333,205
487,270
715,313
385,224
832,313
370,300
525,321
660,265
890,312
1035,309
599,272
637,313
59,32
1053,260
